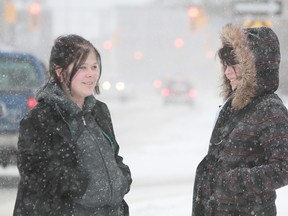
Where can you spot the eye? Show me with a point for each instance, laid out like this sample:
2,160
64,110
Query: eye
95,67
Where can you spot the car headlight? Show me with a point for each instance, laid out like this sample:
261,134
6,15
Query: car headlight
120,86
106,85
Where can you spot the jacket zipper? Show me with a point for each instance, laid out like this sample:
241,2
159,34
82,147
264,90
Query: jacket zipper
109,139
103,132
83,119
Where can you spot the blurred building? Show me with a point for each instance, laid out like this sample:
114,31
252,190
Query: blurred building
26,26
156,41
178,38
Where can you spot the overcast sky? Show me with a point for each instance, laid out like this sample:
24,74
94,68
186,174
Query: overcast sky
80,16
125,2
106,3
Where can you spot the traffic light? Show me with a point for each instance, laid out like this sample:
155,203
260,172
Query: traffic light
178,43
34,16
138,55
197,17
10,13
193,12
107,44
257,23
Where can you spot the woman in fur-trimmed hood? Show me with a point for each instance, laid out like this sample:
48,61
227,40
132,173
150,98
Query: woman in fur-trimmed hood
247,158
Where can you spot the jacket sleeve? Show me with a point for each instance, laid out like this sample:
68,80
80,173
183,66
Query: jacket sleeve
43,169
273,136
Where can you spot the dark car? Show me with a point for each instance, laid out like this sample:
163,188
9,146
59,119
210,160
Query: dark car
178,91
20,76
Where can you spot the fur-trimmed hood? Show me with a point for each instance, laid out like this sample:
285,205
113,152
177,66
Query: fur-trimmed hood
258,53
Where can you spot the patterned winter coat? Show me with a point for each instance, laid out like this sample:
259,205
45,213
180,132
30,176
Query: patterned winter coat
52,176
248,152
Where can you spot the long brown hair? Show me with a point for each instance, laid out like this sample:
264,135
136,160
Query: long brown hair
67,50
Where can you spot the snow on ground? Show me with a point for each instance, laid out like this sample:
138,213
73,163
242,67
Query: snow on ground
163,148
162,145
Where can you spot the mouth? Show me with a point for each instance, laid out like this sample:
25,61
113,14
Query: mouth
88,83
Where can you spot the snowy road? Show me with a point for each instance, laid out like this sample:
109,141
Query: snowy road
162,146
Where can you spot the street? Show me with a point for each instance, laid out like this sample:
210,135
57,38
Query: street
162,145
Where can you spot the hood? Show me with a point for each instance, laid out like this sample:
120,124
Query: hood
258,53
52,94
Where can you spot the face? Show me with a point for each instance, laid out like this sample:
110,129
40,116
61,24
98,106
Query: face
85,79
233,74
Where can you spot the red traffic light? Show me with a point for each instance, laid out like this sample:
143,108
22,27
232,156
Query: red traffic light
34,8
194,12
107,45
179,43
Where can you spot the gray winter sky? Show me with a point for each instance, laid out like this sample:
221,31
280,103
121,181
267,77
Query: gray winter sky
81,16
106,3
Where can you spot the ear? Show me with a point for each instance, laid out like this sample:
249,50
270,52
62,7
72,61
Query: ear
59,72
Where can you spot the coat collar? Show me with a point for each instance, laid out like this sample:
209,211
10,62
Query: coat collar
52,94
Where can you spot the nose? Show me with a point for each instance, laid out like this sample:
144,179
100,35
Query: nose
90,72
229,70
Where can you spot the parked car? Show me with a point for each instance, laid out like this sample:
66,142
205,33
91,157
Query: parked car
20,76
178,91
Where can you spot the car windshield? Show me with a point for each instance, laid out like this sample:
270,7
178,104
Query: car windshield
17,73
